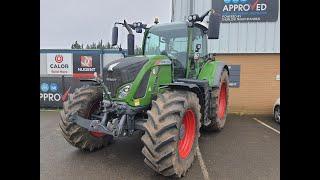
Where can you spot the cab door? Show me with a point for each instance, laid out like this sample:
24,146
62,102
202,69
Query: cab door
197,52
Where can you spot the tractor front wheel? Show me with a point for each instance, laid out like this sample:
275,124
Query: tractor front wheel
85,101
172,133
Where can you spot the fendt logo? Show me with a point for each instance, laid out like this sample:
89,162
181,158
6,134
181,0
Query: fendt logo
244,5
58,58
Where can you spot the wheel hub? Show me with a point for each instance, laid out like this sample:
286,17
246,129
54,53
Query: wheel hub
187,134
182,131
222,101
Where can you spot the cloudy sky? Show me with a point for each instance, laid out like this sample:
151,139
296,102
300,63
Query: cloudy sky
64,21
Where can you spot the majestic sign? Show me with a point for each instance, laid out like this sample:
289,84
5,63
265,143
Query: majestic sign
60,64
247,10
86,65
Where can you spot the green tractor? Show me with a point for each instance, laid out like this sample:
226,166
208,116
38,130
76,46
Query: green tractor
168,93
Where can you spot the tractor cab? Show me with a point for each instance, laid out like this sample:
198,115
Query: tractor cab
184,44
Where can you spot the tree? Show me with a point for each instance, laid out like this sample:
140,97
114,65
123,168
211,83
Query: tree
138,50
93,46
108,46
98,45
76,45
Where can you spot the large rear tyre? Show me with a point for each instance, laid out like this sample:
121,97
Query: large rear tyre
220,97
85,101
172,133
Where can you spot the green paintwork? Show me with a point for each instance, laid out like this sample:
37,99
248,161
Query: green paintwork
208,71
164,78
188,71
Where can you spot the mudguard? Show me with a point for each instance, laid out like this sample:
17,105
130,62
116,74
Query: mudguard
211,72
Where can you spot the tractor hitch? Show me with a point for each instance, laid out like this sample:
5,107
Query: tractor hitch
116,126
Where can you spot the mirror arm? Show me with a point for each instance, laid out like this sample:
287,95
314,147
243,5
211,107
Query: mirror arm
204,15
125,24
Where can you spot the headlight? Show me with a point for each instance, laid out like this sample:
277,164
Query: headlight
194,17
190,18
123,92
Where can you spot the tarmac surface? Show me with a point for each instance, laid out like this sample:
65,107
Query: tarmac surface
244,149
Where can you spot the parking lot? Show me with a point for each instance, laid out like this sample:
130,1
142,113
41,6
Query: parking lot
245,149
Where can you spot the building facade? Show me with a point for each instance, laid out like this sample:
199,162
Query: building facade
249,40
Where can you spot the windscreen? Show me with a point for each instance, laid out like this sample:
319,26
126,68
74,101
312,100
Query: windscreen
168,39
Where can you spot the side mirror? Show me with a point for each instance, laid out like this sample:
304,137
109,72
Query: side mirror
114,36
130,45
214,25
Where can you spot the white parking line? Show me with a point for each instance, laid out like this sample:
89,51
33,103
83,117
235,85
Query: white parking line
202,165
266,125
47,110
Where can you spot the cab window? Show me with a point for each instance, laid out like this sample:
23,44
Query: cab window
198,37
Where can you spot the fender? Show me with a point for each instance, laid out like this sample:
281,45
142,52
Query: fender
211,72
200,87
182,85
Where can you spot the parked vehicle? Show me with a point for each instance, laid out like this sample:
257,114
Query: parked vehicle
276,111
169,92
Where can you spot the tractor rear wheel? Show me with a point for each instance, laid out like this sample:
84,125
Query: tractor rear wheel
85,101
172,133
219,106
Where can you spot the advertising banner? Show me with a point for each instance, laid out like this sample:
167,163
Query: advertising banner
59,64
50,92
247,10
55,90
84,66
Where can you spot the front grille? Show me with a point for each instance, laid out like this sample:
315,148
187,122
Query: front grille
125,72
113,81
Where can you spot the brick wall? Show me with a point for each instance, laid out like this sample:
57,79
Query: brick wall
259,88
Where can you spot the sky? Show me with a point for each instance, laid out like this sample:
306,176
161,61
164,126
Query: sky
62,22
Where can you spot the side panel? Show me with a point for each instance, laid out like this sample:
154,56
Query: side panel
211,72
160,74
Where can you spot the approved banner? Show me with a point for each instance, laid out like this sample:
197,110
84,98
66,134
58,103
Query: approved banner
247,10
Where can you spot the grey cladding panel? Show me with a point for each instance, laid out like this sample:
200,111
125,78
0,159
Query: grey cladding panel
234,77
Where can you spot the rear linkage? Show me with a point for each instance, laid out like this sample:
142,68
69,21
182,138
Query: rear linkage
115,127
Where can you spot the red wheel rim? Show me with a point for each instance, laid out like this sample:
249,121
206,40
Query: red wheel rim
188,133
222,101
97,134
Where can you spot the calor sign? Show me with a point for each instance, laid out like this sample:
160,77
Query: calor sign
59,64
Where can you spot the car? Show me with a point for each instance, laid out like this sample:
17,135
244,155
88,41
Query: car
276,111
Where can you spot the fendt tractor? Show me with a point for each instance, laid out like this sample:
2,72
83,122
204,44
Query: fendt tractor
168,94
